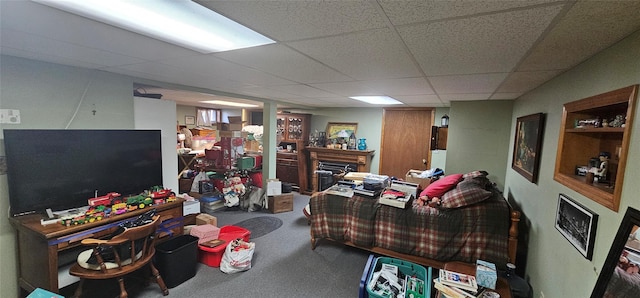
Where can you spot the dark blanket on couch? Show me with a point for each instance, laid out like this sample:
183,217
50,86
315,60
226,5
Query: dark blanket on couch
477,231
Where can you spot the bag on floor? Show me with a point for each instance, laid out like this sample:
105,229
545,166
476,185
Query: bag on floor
195,185
237,256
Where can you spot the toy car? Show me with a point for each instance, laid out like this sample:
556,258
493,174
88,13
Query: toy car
105,200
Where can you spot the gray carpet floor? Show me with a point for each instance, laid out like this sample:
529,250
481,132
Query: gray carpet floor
283,264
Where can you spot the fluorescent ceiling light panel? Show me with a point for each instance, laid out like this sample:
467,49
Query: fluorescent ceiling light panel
230,103
377,100
180,22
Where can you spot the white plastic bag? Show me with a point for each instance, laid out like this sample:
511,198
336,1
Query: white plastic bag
195,186
237,256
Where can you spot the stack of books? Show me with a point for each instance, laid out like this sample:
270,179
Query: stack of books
210,203
452,284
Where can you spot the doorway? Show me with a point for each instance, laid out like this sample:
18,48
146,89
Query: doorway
406,138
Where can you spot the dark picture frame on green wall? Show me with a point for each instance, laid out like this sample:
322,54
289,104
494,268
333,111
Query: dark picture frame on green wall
618,277
527,145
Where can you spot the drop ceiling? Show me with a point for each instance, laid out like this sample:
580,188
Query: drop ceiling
423,53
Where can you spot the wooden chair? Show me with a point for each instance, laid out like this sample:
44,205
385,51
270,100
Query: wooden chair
131,250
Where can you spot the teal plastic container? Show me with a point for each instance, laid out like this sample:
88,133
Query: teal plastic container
418,285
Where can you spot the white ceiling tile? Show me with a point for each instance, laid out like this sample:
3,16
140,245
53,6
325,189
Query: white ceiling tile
589,27
47,57
329,50
292,20
31,43
520,82
208,65
416,99
465,97
416,11
374,54
285,63
492,43
482,83
303,90
506,96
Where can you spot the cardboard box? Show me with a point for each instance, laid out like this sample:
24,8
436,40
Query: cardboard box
274,187
281,203
423,182
205,232
190,207
206,219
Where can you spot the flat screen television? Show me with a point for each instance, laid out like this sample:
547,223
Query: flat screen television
62,169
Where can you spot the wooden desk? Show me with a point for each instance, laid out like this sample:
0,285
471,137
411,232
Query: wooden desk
502,285
43,249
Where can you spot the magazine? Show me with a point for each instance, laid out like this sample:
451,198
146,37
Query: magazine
454,292
387,282
460,280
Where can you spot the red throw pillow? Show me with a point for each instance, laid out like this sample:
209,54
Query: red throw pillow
441,186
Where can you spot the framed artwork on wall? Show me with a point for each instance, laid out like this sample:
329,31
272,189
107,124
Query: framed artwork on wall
619,276
577,224
189,120
527,146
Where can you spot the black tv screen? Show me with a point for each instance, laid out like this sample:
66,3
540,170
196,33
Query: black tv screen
62,169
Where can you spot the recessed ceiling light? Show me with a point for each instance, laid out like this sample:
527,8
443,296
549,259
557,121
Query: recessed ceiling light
180,22
230,103
377,100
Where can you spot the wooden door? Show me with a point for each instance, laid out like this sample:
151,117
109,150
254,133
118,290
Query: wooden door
406,137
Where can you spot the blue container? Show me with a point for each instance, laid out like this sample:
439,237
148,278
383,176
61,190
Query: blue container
418,273
365,276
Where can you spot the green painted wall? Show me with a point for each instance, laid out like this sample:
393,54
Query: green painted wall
479,133
53,96
554,266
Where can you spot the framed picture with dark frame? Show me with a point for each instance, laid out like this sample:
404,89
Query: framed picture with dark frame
527,146
619,276
189,120
577,224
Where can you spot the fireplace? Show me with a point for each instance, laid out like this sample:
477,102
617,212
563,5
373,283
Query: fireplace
337,159
328,172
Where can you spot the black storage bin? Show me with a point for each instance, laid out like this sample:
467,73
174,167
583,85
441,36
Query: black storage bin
177,259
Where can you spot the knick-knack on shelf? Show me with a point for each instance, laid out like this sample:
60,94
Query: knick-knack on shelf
362,144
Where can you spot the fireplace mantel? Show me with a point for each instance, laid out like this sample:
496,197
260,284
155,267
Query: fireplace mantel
362,158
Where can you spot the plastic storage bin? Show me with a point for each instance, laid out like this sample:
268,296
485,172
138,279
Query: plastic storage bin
176,259
211,256
408,269
365,276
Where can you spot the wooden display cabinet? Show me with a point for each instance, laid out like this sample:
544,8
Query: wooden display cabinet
578,143
439,137
291,167
294,127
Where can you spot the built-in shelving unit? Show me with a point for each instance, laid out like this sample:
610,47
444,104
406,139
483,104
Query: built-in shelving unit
581,139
